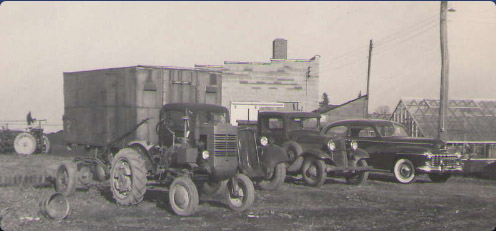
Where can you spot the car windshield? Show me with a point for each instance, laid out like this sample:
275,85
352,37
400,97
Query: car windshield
303,123
391,130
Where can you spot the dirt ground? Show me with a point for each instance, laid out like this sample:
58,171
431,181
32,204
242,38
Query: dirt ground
463,203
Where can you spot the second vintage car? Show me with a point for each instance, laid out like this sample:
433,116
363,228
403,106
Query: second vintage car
310,153
391,148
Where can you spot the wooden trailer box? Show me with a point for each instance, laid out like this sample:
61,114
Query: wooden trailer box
103,105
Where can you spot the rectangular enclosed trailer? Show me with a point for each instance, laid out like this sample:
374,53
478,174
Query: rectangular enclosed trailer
104,105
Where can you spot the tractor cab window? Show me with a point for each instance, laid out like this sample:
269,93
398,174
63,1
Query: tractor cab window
303,124
212,118
362,131
174,119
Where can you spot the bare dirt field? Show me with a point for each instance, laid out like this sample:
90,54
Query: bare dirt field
463,203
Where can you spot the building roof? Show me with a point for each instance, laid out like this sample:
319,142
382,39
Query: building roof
332,107
467,120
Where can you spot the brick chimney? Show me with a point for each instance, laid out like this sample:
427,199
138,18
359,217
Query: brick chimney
280,49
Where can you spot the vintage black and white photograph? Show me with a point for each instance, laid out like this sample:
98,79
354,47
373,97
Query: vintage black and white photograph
282,115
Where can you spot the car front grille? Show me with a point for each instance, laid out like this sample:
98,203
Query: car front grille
444,160
225,145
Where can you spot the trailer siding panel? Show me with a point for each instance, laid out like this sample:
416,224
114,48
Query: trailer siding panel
103,105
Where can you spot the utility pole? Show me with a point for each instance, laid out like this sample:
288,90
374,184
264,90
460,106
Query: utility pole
443,99
368,80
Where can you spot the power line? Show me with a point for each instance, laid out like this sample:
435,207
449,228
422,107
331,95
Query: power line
385,47
384,40
400,33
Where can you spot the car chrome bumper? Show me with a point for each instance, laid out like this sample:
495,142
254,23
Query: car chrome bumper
440,169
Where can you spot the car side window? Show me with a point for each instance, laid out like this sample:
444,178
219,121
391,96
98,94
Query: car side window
362,131
276,124
337,131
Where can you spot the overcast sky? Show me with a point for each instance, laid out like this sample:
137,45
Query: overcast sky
41,40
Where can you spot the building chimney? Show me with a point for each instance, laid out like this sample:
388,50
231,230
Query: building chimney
280,49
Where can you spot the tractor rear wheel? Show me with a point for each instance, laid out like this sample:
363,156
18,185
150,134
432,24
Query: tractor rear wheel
128,177
25,144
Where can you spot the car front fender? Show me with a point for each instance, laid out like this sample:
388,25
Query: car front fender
360,154
271,155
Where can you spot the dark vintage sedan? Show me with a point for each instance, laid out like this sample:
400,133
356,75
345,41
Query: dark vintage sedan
391,148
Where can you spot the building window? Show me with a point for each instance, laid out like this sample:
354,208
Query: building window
213,79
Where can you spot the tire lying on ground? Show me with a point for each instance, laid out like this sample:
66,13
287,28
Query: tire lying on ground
66,178
128,177
25,144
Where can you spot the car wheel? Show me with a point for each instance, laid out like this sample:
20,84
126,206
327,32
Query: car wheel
128,177
404,171
183,196
240,193
66,179
313,171
359,177
276,180
439,178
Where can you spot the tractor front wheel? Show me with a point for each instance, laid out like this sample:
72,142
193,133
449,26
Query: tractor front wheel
240,193
183,196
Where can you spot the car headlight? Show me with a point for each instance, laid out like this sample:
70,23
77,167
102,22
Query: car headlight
428,154
264,141
205,154
354,145
331,145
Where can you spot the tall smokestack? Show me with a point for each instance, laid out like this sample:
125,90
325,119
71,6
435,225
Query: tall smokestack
280,49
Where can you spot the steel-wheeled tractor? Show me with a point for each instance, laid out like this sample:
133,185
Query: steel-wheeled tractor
31,140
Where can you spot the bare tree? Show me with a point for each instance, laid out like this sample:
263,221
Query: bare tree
382,110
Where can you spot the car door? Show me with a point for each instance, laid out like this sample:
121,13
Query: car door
368,140
273,129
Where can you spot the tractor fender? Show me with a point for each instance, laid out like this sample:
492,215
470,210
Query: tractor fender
271,155
360,154
143,148
292,144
